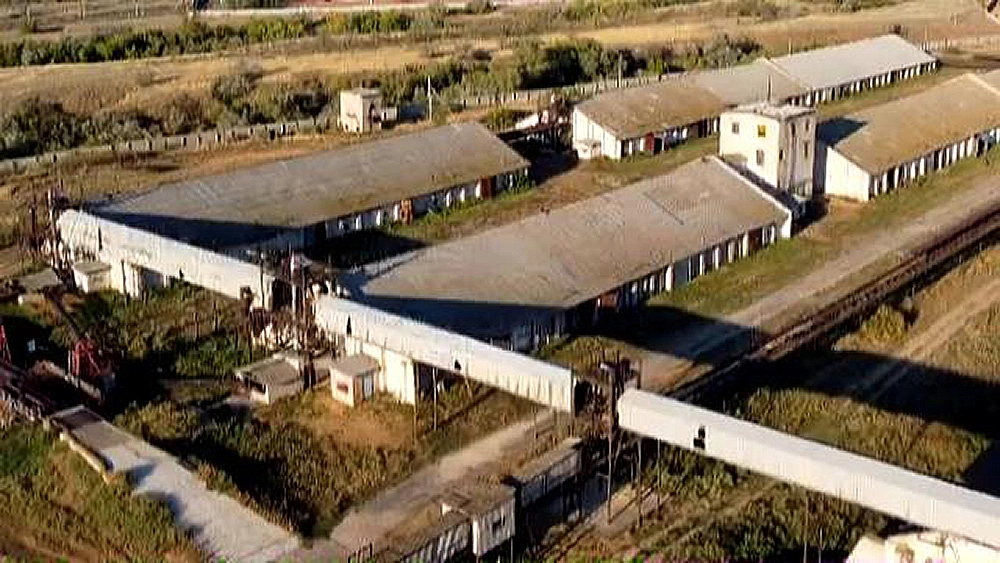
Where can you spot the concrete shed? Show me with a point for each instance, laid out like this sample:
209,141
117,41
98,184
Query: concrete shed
651,118
352,379
91,276
871,152
521,284
272,379
303,201
430,537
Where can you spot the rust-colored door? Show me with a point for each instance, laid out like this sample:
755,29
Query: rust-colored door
406,211
650,143
486,188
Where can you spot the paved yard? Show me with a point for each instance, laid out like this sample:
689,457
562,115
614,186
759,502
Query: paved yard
220,526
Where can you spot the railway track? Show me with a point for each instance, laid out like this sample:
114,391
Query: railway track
813,327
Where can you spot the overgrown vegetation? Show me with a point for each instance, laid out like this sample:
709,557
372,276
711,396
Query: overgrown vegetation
35,125
55,506
300,478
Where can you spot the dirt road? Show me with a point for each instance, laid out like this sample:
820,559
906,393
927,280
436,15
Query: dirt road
661,369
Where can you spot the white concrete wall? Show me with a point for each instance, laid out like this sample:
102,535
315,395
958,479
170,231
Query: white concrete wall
584,129
843,178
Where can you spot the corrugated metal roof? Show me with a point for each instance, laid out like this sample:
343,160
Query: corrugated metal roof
535,380
892,490
632,112
305,191
559,259
748,83
850,62
885,136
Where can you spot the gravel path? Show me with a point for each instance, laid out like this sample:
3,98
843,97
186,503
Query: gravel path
220,526
660,369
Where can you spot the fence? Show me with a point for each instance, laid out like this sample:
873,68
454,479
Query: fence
203,140
200,140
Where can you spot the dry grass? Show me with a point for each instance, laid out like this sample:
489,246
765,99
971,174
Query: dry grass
937,420
382,423
931,19
148,84
55,507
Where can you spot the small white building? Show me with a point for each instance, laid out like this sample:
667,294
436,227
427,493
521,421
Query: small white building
352,379
772,144
361,110
273,378
874,151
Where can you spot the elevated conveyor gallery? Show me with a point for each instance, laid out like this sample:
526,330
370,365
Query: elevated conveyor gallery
888,489
520,375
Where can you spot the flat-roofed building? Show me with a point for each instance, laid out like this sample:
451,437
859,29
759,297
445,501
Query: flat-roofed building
876,150
518,285
648,119
299,202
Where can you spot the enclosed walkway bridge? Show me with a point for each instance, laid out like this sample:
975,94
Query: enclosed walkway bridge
891,490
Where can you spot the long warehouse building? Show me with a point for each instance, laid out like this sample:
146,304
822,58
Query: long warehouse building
651,118
871,152
521,284
300,202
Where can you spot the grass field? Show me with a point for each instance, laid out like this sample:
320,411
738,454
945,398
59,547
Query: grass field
55,507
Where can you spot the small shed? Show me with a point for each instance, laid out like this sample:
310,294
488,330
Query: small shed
490,507
91,275
352,379
272,378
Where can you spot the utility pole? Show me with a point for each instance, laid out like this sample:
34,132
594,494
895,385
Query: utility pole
430,100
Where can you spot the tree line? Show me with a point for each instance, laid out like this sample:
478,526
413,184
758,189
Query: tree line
36,126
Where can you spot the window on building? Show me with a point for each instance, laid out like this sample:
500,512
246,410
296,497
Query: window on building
805,149
762,131
781,155
760,158
736,128
793,129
